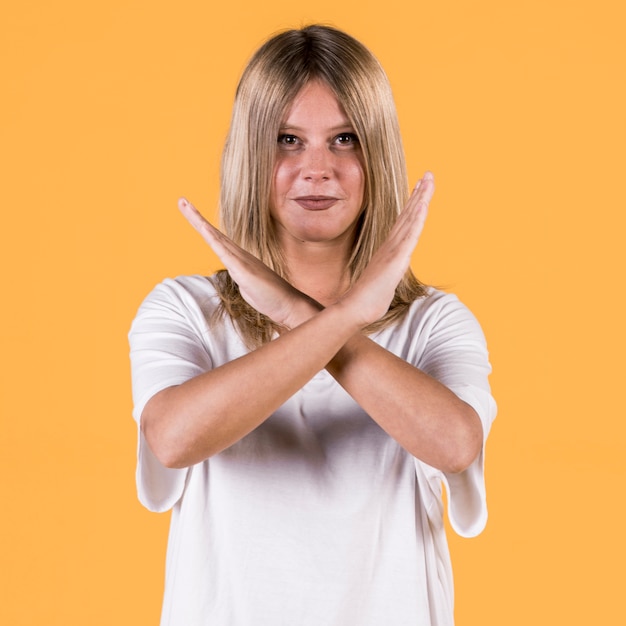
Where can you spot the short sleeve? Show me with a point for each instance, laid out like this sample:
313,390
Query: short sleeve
455,353
166,349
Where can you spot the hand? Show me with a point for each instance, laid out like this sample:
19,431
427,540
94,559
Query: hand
374,290
261,288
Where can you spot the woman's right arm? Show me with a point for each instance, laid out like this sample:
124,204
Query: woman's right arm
187,423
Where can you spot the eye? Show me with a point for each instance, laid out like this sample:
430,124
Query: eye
347,139
287,141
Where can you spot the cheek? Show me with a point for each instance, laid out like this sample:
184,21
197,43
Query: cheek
275,191
356,176
282,179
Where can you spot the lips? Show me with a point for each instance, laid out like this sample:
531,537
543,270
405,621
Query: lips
316,203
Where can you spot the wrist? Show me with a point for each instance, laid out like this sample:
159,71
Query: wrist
303,309
349,315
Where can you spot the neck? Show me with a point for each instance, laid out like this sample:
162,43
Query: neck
319,270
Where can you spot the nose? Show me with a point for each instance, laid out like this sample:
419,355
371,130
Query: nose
317,163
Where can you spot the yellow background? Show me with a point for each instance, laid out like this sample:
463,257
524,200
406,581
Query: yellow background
111,110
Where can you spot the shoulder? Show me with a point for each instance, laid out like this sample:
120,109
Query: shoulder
438,319
190,293
185,301
193,286
440,310
180,316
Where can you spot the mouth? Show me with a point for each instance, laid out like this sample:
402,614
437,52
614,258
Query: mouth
316,203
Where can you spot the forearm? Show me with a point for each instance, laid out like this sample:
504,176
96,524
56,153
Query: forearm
186,424
418,411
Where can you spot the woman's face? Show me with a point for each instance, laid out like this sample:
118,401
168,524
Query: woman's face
319,179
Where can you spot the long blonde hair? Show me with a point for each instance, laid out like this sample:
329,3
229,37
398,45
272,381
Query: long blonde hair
268,86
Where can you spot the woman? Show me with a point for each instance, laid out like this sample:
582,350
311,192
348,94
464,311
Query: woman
300,409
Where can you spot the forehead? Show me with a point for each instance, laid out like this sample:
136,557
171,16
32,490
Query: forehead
315,102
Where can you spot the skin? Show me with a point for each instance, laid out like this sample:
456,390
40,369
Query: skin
319,183
188,423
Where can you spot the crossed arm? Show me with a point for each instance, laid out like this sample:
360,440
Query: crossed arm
188,423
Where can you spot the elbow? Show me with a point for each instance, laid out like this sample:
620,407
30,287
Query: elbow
163,436
460,461
169,457
467,443
160,443
168,432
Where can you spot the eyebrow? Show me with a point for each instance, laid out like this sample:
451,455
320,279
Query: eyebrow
345,126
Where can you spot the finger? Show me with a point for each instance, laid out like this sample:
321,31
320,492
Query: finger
220,243
414,213
410,224
423,190
427,187
417,206
192,215
213,236
417,217
237,261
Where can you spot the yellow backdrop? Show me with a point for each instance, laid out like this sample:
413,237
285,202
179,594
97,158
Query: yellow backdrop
111,110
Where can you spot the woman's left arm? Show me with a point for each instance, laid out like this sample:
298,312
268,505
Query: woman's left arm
419,412
422,414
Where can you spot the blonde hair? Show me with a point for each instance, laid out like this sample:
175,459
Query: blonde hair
268,86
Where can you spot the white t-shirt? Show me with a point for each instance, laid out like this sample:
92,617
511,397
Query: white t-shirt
317,517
